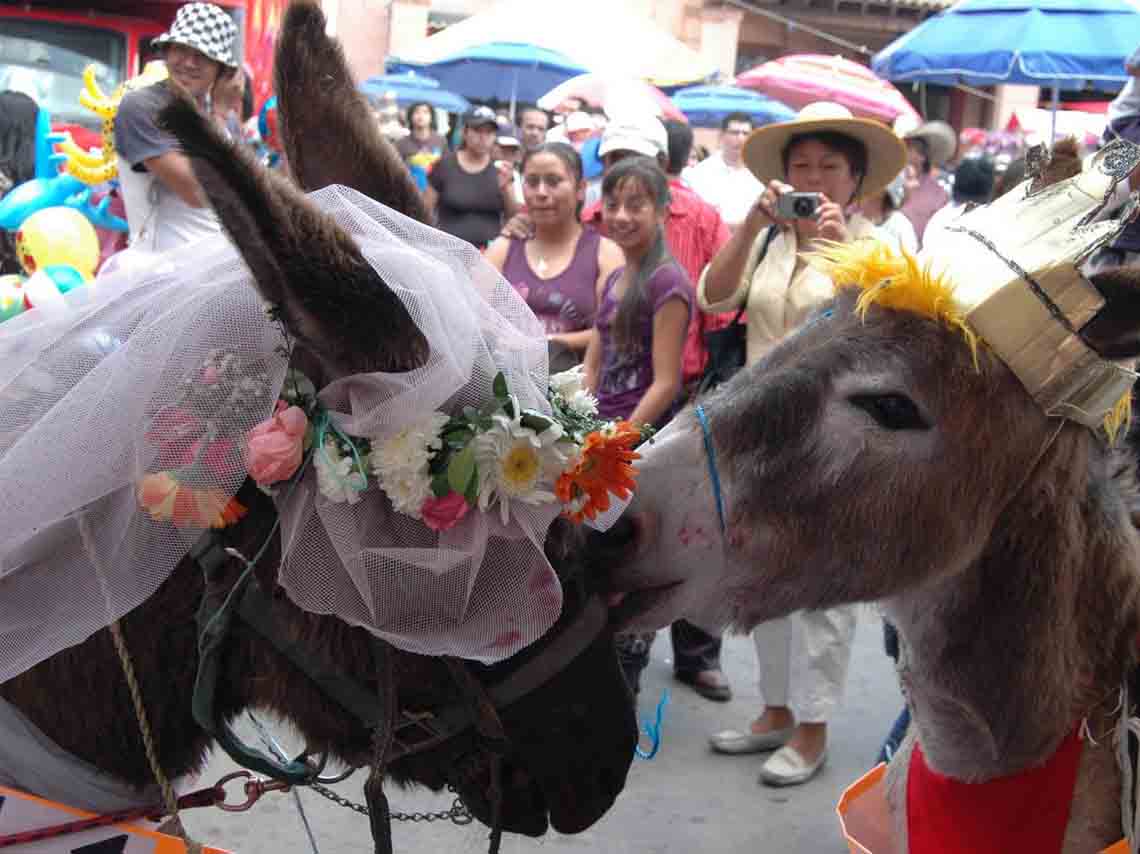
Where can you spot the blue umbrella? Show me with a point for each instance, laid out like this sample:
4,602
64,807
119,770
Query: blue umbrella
412,88
1067,44
706,106
500,71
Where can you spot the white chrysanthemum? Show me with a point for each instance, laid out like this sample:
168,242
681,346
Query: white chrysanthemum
568,383
336,478
410,449
408,492
582,403
517,464
400,463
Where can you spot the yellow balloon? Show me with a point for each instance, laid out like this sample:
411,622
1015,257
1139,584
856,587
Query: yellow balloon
58,236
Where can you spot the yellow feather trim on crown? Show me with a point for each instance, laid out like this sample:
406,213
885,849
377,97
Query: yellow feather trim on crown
892,279
1119,418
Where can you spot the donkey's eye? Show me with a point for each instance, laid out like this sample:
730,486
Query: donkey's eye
891,411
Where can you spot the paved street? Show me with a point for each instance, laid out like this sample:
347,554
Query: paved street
686,800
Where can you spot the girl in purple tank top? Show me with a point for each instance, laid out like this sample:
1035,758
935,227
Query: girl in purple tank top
633,364
560,270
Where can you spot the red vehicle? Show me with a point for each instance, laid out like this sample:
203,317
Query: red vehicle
44,48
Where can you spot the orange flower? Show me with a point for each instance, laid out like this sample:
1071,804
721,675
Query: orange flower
166,498
604,466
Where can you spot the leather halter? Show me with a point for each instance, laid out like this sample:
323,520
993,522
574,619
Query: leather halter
413,732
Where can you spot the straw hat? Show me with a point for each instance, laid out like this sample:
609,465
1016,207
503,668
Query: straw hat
941,141
886,155
206,28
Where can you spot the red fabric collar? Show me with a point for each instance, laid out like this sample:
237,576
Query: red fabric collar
1025,812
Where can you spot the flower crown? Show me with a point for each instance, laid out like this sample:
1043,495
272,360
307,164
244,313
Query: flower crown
435,470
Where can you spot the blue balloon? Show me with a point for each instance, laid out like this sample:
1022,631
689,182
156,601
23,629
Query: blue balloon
47,160
99,215
35,195
592,165
65,276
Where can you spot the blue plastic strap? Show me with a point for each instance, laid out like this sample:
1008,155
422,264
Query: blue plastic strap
710,453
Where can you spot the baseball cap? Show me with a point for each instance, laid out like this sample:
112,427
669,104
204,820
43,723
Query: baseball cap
508,136
480,116
642,134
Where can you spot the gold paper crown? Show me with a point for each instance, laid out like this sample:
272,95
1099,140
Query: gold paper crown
1008,273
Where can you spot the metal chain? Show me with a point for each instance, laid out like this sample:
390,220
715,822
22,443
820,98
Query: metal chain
457,815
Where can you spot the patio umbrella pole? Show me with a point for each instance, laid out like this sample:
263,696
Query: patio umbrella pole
1056,104
514,94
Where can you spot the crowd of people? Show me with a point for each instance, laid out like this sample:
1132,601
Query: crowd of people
630,245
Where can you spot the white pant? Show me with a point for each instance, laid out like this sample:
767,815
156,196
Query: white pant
802,661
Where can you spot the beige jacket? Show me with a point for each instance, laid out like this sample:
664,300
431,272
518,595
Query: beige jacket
781,292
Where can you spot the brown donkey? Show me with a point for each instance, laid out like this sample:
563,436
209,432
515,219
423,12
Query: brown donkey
566,731
882,454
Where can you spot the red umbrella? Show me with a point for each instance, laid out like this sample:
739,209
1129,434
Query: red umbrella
801,79
611,94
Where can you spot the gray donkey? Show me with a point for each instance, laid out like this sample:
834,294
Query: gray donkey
878,456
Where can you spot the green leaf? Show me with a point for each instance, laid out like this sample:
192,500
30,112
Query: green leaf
499,387
472,493
461,470
535,421
458,439
439,485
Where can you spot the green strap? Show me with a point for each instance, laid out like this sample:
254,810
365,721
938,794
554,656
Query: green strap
215,618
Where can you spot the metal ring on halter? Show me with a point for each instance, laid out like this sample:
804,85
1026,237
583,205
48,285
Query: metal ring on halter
337,778
710,454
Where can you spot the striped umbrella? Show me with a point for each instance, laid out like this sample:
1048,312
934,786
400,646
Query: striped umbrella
803,78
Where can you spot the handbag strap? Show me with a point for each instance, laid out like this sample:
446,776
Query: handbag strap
768,238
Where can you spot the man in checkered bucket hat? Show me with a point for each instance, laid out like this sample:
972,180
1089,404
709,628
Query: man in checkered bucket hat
165,205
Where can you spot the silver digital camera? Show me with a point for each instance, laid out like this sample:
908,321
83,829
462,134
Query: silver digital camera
798,205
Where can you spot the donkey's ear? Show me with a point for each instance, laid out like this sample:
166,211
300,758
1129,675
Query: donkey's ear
329,134
331,299
1115,331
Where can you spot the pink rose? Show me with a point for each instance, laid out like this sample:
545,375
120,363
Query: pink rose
440,514
273,449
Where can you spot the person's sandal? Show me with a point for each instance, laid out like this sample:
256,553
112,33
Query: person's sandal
718,691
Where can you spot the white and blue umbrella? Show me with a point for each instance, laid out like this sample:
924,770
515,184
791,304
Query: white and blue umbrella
498,71
1066,44
412,88
706,106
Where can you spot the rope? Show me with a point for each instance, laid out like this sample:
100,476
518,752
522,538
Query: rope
169,798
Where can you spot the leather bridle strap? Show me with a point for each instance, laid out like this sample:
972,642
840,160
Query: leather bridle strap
412,731
571,642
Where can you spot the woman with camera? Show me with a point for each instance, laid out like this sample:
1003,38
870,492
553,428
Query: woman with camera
813,168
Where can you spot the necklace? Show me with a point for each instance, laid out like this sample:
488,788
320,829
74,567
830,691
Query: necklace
542,265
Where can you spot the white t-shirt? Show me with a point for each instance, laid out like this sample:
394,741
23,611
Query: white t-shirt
732,190
898,230
157,216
